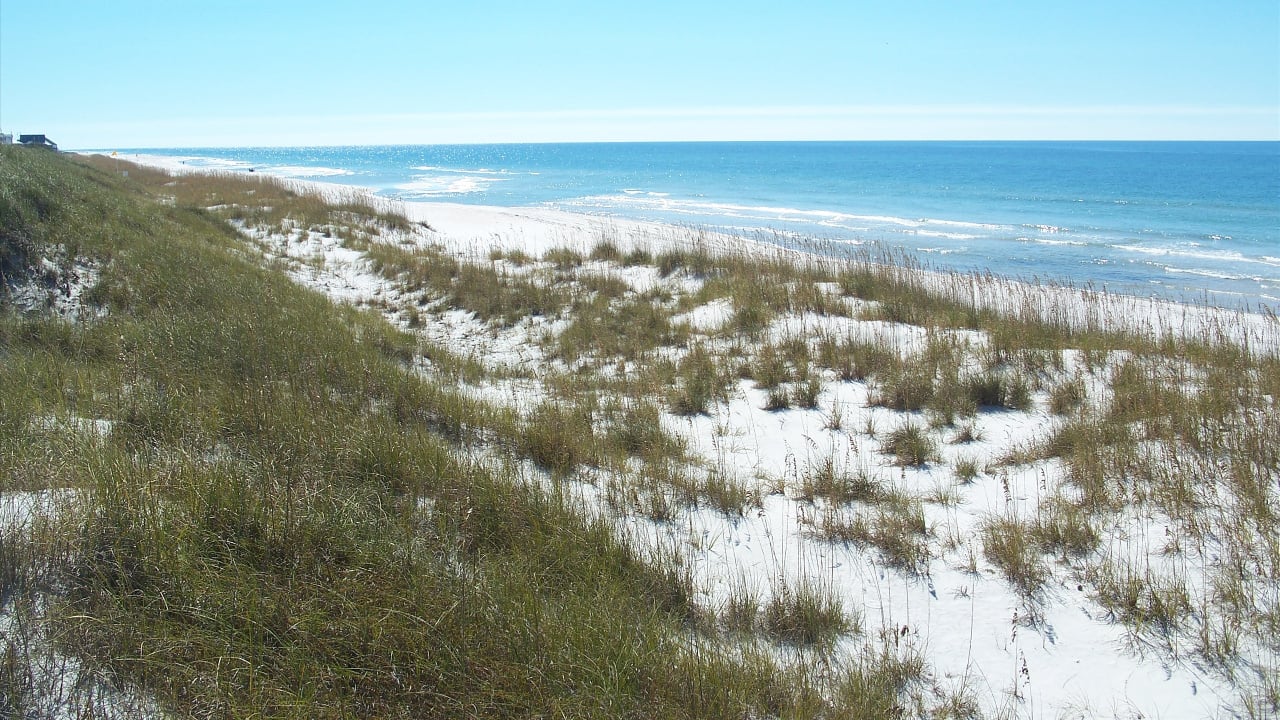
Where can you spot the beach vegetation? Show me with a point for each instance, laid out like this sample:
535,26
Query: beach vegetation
829,478
699,381
806,614
966,469
476,488
267,521
910,444
1009,544
895,526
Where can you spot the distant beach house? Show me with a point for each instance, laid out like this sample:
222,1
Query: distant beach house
6,139
37,141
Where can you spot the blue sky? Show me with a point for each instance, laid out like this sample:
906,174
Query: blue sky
132,73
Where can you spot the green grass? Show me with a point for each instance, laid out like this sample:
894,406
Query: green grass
910,444
280,522
606,328
876,684
1009,544
287,511
805,615
699,383
967,469
827,478
895,526
492,293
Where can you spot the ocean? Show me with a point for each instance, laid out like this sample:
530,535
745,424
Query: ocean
1189,221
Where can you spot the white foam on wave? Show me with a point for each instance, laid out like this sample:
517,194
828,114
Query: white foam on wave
461,171
944,235
207,163
842,226
965,224
647,200
1219,256
301,171
1205,273
1048,241
426,186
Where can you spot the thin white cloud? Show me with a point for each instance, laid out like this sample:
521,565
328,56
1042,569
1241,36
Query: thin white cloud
803,122
799,111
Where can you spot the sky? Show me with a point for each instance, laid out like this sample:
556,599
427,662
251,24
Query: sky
138,73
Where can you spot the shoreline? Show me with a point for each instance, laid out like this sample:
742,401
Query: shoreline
1142,222
534,230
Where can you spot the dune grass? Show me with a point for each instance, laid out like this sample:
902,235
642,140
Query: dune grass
279,521
275,499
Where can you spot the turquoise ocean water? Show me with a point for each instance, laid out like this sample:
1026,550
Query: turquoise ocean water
1179,220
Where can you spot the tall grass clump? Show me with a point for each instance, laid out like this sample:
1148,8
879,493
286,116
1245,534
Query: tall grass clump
854,360
828,478
700,381
895,526
1009,544
560,437
603,327
999,390
910,444
877,683
805,615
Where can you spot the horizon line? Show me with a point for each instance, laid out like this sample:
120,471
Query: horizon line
686,141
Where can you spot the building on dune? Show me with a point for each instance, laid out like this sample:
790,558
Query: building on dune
37,141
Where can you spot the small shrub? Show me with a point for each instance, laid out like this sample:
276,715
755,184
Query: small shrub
778,399
805,615
967,469
805,394
605,251
1010,546
910,445
1067,397
825,479
563,259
